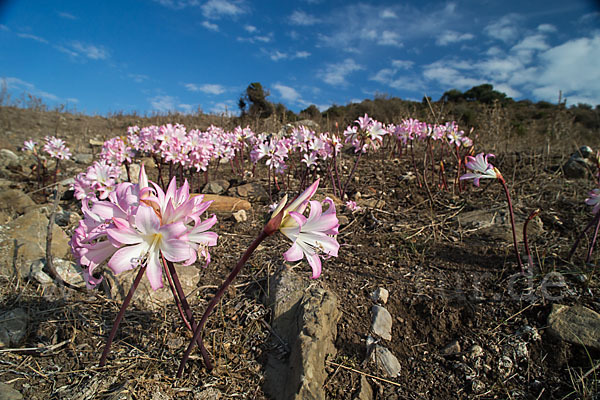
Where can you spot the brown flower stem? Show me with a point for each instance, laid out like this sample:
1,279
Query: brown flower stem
213,303
183,306
593,242
343,192
120,315
512,221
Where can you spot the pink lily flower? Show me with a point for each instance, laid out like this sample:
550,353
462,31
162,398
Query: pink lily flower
312,236
145,243
594,200
480,168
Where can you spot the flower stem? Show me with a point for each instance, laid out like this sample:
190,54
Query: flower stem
512,222
213,303
593,243
115,327
588,226
183,306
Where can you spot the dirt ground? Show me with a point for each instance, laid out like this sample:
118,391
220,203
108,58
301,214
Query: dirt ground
447,282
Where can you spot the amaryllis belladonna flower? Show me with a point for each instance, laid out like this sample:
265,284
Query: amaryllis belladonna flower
312,237
480,168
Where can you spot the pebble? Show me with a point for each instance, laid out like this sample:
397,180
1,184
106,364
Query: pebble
451,348
386,361
13,327
475,351
382,322
380,295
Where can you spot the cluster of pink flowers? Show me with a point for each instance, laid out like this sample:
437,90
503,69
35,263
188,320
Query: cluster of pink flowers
116,152
411,129
99,180
366,133
189,149
56,148
138,224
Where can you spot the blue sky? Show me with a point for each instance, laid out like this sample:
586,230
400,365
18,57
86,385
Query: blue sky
161,55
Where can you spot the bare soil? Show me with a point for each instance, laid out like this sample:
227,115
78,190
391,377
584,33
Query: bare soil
447,282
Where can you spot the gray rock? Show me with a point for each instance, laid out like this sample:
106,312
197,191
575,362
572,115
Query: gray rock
218,186
145,296
577,325
8,159
496,224
580,164
67,270
253,191
14,200
386,361
23,241
13,327
83,158
7,392
451,348
305,319
380,295
381,322
365,392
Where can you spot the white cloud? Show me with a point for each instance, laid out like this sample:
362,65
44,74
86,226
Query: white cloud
67,15
209,88
250,28
527,47
357,27
403,64
278,55
389,38
187,108
448,37
390,77
223,108
572,68
4,28
210,26
450,77
299,17
223,8
546,28
17,84
287,93
387,13
90,51
335,74
257,38
163,103
506,29
138,78
302,54
32,37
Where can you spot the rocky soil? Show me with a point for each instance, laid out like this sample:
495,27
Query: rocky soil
425,300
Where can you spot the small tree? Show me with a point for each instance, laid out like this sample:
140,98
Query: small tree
255,99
